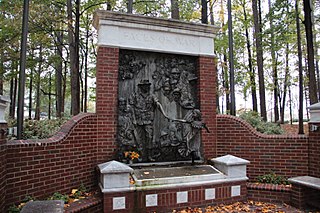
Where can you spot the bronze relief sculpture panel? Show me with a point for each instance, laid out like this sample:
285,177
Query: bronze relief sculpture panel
158,108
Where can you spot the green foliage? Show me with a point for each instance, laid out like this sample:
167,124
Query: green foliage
82,188
28,198
256,121
17,209
34,129
79,192
59,196
41,129
14,209
272,178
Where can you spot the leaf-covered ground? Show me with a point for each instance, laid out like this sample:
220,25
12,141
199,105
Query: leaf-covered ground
242,207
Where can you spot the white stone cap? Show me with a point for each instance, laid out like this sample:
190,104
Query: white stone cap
314,106
230,160
113,167
4,99
308,181
116,18
144,33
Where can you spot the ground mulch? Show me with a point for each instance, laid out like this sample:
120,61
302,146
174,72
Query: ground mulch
292,129
249,206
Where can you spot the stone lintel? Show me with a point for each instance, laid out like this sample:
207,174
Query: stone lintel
131,31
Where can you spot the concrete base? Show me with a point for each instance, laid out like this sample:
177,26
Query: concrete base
52,206
175,175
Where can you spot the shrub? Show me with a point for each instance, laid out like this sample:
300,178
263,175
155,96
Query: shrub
17,209
256,121
59,196
272,178
34,129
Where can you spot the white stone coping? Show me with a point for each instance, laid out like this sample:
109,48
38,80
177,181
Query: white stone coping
114,167
102,17
308,181
143,33
169,186
5,98
230,160
315,106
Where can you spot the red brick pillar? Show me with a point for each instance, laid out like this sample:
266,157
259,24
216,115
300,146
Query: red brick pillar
298,196
314,150
207,97
106,101
3,128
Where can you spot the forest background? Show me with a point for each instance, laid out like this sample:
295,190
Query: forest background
267,53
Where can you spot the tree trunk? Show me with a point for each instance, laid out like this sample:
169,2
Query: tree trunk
316,48
226,84
30,93
257,36
273,66
285,85
13,93
311,68
211,12
300,69
251,69
204,12
290,105
130,6
318,76
64,84
175,9
231,63
1,71
81,84
49,97
86,67
59,53
38,81
73,39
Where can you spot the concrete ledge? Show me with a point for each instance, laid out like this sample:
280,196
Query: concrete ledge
52,206
170,186
307,181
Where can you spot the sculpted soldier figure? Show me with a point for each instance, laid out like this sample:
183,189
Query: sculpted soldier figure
144,105
125,137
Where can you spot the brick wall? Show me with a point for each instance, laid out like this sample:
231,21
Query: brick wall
302,197
2,167
107,101
269,193
314,152
167,198
285,155
41,167
207,97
